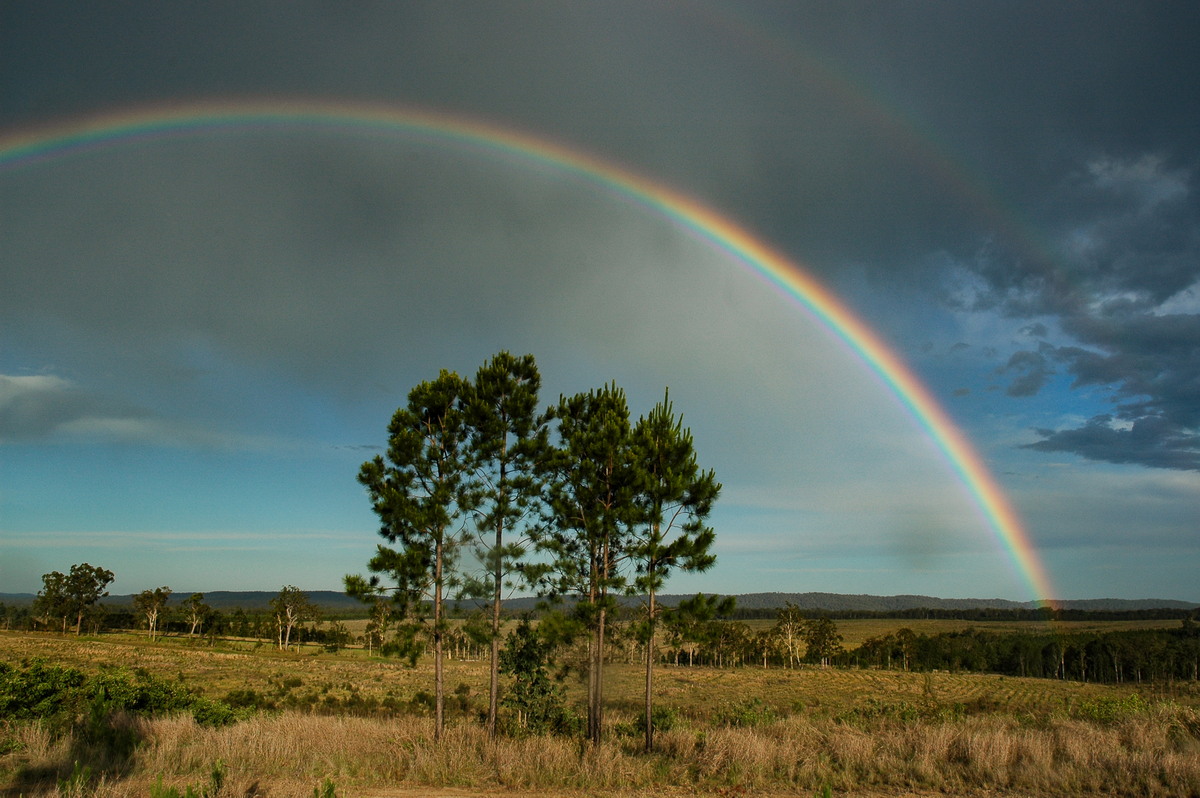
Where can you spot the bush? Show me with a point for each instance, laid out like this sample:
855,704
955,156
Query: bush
56,693
754,712
1111,710
662,718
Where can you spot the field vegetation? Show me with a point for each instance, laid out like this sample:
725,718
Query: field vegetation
315,723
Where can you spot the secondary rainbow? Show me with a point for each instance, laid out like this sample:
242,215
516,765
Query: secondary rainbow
121,128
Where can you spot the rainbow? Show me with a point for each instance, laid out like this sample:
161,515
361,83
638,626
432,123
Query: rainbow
153,123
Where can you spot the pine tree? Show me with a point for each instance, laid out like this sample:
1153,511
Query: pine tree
673,499
591,484
507,441
420,495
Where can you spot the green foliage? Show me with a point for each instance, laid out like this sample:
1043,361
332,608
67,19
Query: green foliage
1110,710
536,702
673,498
71,597
78,784
39,690
55,692
662,719
211,790
326,790
749,713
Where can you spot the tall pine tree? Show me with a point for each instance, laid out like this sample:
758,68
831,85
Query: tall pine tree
507,441
673,499
420,495
591,484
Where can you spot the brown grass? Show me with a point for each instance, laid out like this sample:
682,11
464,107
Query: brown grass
291,753
885,733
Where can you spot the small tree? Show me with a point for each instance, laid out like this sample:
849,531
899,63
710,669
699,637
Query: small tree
52,601
291,607
378,623
534,698
337,637
195,611
152,603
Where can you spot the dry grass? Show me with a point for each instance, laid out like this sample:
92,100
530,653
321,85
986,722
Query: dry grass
855,731
288,754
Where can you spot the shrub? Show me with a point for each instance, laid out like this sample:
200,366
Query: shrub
754,712
663,719
1111,710
58,694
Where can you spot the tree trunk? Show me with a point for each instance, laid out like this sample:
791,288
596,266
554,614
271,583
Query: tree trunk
439,681
497,576
597,714
650,676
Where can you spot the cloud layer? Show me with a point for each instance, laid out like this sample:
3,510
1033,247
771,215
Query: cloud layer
1006,192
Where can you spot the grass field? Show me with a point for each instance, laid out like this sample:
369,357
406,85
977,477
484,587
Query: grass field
855,731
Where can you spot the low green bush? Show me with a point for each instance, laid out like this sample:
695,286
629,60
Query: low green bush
57,693
753,712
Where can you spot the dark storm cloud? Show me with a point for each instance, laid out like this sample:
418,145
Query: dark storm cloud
1122,284
1150,441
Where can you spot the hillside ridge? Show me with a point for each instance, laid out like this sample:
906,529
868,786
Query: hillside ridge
832,602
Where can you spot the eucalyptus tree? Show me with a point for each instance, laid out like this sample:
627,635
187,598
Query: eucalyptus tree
291,606
52,601
75,594
421,493
507,441
590,487
789,631
151,603
691,620
195,610
822,639
673,499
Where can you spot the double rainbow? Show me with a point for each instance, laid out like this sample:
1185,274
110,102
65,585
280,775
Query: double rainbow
113,129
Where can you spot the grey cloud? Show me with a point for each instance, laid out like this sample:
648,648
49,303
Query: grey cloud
1152,364
1033,372
1037,330
46,408
37,407
1149,441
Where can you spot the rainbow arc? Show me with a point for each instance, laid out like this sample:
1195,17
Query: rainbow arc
124,128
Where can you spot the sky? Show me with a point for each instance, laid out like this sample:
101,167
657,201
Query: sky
204,333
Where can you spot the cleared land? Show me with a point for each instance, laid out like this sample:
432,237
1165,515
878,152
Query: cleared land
860,732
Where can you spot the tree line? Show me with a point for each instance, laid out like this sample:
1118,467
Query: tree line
698,632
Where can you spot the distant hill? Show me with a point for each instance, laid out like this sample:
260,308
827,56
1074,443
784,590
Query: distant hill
333,601
837,602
